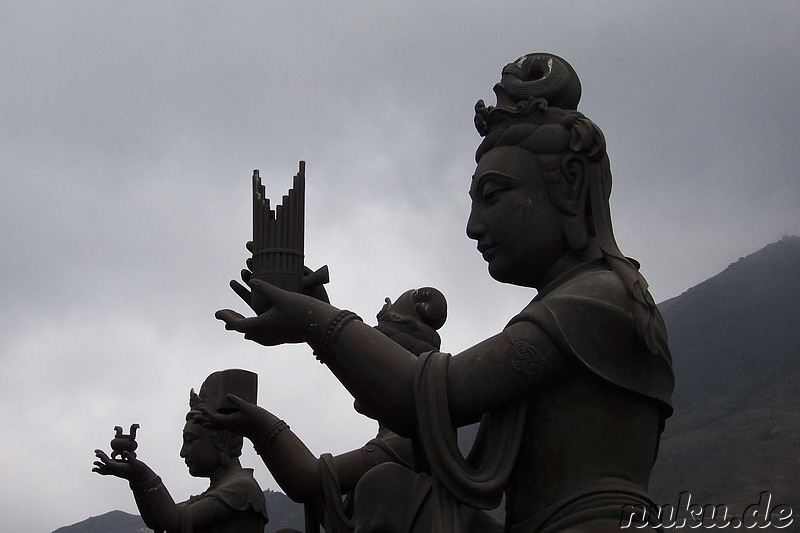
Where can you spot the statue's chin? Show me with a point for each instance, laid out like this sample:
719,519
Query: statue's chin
498,272
196,472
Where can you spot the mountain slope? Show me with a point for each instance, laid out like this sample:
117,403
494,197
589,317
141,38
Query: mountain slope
735,342
113,522
283,513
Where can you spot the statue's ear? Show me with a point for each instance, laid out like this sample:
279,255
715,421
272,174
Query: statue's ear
573,200
568,191
574,168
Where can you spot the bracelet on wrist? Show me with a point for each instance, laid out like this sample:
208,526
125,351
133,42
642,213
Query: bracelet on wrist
332,333
150,485
262,446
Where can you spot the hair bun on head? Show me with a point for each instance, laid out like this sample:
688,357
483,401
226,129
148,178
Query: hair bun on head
539,88
539,75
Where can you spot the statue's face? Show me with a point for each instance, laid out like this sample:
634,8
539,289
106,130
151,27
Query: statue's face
199,451
518,229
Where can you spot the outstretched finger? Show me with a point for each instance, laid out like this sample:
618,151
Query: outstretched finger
100,454
268,290
241,290
230,317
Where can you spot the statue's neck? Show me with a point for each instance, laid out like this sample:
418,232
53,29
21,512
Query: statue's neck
224,471
569,261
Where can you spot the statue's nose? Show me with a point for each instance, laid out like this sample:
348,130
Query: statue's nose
475,227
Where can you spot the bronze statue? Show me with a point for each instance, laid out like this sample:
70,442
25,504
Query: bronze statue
572,394
233,502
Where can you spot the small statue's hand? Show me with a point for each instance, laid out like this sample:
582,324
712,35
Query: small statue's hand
129,467
246,420
289,319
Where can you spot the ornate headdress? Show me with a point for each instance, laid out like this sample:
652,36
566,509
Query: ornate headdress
540,90
527,86
213,393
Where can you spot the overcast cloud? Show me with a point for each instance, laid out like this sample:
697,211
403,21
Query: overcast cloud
130,131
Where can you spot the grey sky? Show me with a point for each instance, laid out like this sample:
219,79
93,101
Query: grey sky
130,130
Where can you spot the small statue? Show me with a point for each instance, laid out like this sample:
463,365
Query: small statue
124,443
233,502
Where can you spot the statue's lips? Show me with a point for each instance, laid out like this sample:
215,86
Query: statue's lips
487,249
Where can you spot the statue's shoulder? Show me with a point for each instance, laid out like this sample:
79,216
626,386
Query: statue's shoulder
240,490
589,317
594,289
597,285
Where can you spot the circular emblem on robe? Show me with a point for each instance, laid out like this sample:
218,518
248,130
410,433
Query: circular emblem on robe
525,359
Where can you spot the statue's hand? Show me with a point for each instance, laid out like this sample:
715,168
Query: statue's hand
129,467
246,420
291,318
313,290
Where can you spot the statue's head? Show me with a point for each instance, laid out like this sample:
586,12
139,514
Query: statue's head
207,448
412,320
540,193
542,172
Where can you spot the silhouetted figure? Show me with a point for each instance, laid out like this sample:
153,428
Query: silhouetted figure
573,392
233,503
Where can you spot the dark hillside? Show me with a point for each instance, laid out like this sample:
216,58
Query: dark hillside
283,513
112,522
735,344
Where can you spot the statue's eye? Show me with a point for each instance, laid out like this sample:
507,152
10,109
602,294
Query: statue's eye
492,185
492,192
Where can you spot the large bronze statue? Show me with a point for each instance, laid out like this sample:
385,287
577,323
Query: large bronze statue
233,503
572,394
